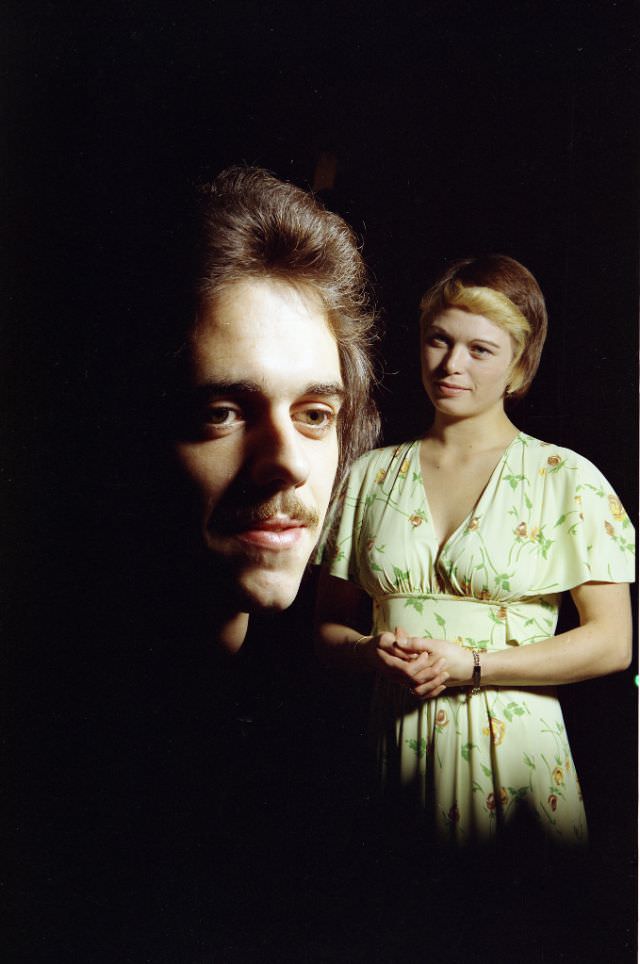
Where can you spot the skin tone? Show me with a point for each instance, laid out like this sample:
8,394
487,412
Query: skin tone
260,449
467,362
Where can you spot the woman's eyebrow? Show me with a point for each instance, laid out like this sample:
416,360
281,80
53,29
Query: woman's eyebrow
434,330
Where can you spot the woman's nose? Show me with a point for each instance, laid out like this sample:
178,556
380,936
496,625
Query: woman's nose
278,456
454,359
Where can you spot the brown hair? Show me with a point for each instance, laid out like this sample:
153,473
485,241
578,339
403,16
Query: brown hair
250,224
505,292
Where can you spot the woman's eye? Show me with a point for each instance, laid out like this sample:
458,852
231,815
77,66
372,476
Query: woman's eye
481,350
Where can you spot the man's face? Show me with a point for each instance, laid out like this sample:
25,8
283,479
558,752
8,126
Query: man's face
265,392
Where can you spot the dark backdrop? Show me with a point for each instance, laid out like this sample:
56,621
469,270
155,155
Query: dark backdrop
454,131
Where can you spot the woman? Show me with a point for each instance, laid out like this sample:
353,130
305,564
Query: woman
463,541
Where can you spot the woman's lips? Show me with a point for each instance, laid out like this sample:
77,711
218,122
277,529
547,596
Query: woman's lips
445,388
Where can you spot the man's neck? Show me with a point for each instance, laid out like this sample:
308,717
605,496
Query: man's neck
229,631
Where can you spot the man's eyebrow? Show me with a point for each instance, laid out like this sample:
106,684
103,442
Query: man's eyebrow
219,389
325,390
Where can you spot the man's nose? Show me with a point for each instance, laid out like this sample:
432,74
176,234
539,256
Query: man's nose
278,457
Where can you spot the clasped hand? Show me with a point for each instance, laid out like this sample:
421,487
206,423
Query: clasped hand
426,666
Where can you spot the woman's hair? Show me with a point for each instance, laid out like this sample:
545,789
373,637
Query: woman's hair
505,292
251,225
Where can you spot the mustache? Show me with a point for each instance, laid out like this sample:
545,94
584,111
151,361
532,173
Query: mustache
231,518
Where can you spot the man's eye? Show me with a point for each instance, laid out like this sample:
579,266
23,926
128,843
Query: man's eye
318,420
222,416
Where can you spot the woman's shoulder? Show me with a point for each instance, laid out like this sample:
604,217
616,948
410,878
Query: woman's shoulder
555,460
382,459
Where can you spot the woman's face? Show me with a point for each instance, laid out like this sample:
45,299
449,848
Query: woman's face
466,363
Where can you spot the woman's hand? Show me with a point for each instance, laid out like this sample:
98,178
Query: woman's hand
408,661
457,659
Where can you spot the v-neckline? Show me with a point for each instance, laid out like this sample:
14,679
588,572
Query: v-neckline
474,509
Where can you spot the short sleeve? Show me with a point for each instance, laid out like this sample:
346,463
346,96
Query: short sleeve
590,534
337,549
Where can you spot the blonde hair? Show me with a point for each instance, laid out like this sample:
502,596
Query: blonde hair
504,291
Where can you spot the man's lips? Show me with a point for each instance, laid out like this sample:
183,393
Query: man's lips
275,533
275,523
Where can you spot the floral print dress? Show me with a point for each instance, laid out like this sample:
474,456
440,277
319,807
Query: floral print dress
547,521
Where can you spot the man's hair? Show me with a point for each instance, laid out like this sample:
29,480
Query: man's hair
505,292
251,225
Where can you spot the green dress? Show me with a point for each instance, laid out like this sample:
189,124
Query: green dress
547,521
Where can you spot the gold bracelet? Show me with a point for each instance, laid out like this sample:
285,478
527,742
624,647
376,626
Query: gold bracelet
356,642
477,672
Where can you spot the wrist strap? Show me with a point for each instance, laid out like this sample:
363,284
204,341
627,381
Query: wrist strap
477,672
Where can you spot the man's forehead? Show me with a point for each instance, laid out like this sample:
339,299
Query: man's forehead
264,333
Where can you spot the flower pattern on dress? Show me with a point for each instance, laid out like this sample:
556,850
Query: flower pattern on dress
615,506
496,730
546,521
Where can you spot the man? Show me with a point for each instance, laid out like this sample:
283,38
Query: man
176,770
274,387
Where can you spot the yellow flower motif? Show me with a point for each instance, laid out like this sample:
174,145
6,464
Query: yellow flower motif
441,718
578,499
608,528
404,468
415,520
533,535
485,594
558,776
381,476
502,612
617,511
542,471
496,729
554,460
459,641
521,530
473,525
504,796
552,801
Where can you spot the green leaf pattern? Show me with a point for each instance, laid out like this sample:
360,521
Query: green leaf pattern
546,521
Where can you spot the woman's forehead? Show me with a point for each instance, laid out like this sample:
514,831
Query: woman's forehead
457,321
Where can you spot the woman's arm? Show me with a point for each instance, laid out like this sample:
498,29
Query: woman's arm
343,618
601,644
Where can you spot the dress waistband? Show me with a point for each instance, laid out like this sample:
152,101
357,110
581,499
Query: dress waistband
438,596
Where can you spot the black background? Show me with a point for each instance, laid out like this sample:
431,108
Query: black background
457,129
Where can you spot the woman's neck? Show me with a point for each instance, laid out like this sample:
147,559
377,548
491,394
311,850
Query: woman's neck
478,433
